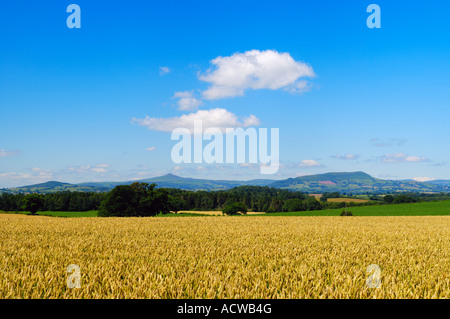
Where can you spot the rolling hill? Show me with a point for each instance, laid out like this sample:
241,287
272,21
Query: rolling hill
343,182
356,183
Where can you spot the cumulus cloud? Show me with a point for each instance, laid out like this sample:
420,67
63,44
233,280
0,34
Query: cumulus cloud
232,75
348,157
186,101
214,118
6,153
309,163
423,179
163,70
403,158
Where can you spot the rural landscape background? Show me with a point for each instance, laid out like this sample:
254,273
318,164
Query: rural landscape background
94,206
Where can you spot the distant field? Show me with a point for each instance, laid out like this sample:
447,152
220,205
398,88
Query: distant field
346,200
415,209
92,213
212,212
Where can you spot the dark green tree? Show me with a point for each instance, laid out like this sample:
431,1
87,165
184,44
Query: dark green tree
176,203
388,199
137,199
33,203
311,203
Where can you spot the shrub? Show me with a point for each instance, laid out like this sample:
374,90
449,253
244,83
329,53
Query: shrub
346,213
234,209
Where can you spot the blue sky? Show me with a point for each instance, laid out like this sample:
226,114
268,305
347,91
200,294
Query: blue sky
379,100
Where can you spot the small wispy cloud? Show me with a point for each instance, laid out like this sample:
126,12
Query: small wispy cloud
309,163
37,175
163,70
391,142
101,168
150,149
187,101
403,158
347,157
7,153
423,179
440,164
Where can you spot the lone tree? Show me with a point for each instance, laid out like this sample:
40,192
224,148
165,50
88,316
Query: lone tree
33,203
137,199
234,209
176,204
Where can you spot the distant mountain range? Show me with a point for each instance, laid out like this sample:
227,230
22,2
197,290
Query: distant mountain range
353,182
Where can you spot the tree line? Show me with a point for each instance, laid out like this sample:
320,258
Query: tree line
141,199
146,200
61,201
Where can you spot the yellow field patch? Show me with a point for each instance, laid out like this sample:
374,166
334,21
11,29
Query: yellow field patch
346,200
229,257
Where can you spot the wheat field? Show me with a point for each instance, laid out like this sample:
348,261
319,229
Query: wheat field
226,257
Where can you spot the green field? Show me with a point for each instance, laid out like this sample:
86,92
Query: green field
415,209
92,213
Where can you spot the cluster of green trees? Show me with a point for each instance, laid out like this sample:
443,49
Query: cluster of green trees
146,200
61,201
400,199
137,199
255,198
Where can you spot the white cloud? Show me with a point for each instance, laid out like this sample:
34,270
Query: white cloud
423,179
347,157
309,163
6,153
101,168
232,75
214,118
19,179
151,148
403,158
163,70
187,102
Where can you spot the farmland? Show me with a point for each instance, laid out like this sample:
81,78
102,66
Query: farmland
412,209
226,257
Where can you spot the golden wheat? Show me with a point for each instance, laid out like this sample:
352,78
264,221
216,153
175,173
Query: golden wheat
224,257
